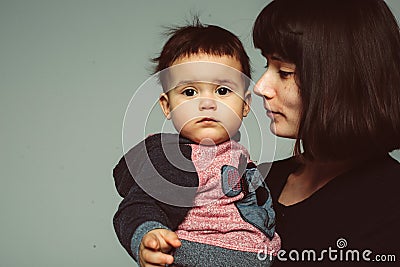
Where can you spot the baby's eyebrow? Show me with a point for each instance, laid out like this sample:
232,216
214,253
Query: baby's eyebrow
226,82
185,82
217,81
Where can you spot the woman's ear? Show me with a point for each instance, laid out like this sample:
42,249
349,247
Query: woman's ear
247,103
164,103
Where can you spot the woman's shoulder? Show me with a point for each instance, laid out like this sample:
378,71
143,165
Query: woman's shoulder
382,169
381,175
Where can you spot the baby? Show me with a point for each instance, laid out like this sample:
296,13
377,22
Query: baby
195,198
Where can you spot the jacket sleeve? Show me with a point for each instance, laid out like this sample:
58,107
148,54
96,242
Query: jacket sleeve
136,209
140,178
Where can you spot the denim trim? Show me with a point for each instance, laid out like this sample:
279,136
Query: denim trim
143,229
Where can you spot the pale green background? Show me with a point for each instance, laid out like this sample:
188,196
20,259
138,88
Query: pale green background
67,72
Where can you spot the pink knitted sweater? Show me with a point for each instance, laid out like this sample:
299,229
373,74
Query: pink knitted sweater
215,220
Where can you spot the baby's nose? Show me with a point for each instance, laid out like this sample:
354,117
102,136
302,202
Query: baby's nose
206,103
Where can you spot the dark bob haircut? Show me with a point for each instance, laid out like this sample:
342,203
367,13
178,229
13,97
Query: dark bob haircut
198,38
347,57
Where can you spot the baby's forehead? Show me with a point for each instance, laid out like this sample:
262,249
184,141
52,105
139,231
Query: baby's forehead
229,60
202,72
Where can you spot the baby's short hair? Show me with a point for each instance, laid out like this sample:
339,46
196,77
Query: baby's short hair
198,38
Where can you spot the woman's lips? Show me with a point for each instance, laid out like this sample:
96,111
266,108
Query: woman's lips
271,113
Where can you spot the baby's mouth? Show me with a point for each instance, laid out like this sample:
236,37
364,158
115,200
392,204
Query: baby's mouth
207,119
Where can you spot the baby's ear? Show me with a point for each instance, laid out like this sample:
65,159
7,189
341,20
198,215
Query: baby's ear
247,103
164,103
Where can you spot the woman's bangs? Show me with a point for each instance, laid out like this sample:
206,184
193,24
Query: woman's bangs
273,34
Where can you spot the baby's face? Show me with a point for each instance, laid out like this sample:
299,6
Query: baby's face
207,100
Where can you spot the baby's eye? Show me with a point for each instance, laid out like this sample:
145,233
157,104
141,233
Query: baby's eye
189,92
223,90
285,74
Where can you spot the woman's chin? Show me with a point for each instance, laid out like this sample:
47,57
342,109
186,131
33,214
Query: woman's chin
282,132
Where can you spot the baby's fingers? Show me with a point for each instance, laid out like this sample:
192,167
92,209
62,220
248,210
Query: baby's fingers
150,258
151,241
171,239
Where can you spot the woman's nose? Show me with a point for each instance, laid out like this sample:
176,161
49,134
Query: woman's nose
264,86
207,103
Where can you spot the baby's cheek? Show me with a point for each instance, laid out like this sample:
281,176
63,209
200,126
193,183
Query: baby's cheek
231,119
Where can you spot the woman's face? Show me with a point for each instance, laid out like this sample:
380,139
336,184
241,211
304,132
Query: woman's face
281,96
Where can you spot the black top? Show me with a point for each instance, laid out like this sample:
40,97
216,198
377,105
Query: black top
354,212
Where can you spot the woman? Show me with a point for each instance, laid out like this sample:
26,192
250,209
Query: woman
333,84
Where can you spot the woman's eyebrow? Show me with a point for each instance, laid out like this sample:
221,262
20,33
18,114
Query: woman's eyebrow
283,61
276,57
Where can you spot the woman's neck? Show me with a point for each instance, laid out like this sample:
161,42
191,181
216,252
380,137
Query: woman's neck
319,173
309,178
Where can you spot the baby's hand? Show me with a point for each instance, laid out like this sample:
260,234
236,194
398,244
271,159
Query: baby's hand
155,247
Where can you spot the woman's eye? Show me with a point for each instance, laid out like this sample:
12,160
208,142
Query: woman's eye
285,74
189,92
223,90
